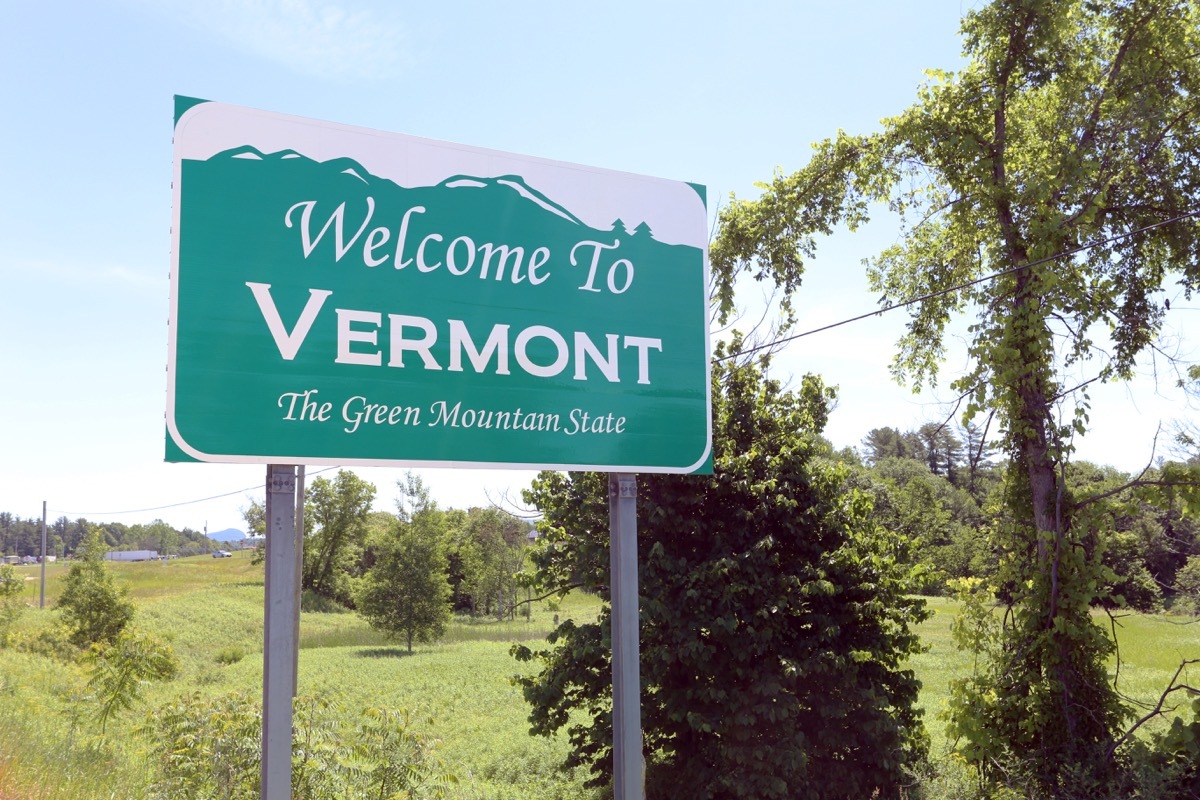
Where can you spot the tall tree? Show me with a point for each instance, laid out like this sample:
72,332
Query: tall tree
1064,156
978,455
774,619
335,530
943,450
499,539
881,443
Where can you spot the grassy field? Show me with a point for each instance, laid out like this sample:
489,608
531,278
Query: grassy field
1151,647
459,690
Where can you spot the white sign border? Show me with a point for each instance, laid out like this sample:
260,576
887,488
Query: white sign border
271,132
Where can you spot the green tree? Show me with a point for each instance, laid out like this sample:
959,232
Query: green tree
158,535
335,531
406,592
774,621
90,604
255,516
942,521
464,559
72,533
1062,158
496,542
881,443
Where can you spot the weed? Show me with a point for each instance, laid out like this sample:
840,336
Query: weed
231,654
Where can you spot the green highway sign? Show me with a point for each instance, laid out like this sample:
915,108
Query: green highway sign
342,295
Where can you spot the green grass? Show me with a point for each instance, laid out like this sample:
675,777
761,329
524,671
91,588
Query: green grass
210,609
937,666
460,689
1151,648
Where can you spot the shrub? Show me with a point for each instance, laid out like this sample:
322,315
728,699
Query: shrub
11,607
773,609
51,641
120,669
231,654
210,747
207,747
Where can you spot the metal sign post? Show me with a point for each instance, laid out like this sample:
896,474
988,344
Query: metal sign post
279,659
299,548
628,764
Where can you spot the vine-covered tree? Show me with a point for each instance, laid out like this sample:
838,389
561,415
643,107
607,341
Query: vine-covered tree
1063,160
774,619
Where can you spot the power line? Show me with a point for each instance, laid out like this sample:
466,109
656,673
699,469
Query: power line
172,505
747,351
940,292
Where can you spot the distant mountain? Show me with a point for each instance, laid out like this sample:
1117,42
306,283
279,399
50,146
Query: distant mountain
347,166
228,535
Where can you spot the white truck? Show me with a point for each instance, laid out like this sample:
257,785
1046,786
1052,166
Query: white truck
131,555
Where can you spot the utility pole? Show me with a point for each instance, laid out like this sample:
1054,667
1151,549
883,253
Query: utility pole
42,597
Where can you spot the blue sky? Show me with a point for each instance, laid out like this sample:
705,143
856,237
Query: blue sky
714,93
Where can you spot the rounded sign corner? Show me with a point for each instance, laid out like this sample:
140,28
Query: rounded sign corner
703,465
178,447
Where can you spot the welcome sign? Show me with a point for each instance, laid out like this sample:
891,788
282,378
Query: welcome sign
342,295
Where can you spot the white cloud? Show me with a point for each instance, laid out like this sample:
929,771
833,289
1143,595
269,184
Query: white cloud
322,39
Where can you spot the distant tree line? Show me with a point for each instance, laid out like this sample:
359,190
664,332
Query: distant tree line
943,488
64,537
